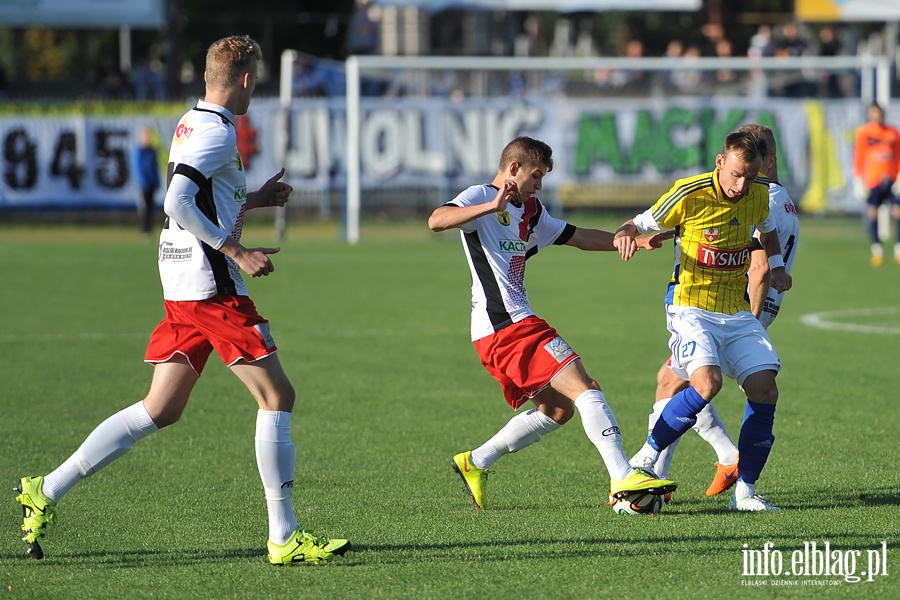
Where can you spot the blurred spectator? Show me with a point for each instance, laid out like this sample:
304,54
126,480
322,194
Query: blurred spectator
761,43
635,81
723,50
332,72
363,35
790,84
309,79
110,83
712,33
688,81
674,50
147,80
146,172
793,42
829,45
761,46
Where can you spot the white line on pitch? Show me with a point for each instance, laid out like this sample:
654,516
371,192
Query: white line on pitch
822,320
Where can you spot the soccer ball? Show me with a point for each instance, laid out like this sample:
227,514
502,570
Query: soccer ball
639,503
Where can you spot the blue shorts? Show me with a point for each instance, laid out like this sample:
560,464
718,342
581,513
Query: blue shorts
881,193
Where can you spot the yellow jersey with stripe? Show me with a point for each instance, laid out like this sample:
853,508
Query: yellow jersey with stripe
713,243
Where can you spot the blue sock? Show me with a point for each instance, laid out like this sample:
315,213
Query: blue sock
678,416
755,441
873,231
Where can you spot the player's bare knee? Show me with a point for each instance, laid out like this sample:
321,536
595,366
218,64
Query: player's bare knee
281,399
761,387
707,382
165,416
668,383
559,412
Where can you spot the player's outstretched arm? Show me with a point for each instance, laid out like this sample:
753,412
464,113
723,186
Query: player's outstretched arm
592,240
272,193
655,241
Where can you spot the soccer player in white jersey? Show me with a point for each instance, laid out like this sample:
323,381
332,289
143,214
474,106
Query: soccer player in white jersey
765,303
712,329
207,308
501,226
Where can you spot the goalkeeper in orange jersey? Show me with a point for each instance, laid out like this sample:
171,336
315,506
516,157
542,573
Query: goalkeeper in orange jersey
876,162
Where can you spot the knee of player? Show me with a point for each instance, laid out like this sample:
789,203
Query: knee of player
767,394
167,416
562,414
668,383
761,387
284,398
708,388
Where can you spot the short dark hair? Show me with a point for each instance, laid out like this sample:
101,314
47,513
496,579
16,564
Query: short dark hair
746,145
527,151
765,137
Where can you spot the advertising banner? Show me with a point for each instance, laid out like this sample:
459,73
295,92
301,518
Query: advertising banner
607,152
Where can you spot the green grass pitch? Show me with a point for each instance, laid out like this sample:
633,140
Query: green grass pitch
375,338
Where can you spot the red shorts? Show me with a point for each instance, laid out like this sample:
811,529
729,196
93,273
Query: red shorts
229,325
524,358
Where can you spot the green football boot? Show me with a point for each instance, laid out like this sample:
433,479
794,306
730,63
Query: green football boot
303,546
475,479
37,511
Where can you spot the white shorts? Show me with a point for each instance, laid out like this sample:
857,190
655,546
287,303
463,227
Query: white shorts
738,344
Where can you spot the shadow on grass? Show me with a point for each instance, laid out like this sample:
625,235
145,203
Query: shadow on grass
409,553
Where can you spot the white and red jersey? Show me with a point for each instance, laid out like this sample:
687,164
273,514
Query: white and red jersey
787,224
204,150
497,246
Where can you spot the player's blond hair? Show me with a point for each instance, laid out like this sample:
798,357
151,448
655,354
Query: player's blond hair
746,145
763,133
528,152
229,58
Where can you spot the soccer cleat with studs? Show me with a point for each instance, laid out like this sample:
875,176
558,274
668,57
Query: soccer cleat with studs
725,477
474,479
641,480
754,503
37,511
303,546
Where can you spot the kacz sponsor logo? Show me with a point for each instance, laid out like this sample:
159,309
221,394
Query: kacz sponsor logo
513,246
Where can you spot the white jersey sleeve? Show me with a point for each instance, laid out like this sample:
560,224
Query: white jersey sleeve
783,214
645,222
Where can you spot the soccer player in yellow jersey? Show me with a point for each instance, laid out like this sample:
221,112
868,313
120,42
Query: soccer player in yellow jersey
712,329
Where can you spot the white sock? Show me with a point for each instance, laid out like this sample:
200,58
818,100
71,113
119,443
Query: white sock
743,490
646,456
602,429
664,461
108,441
712,429
522,430
275,459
